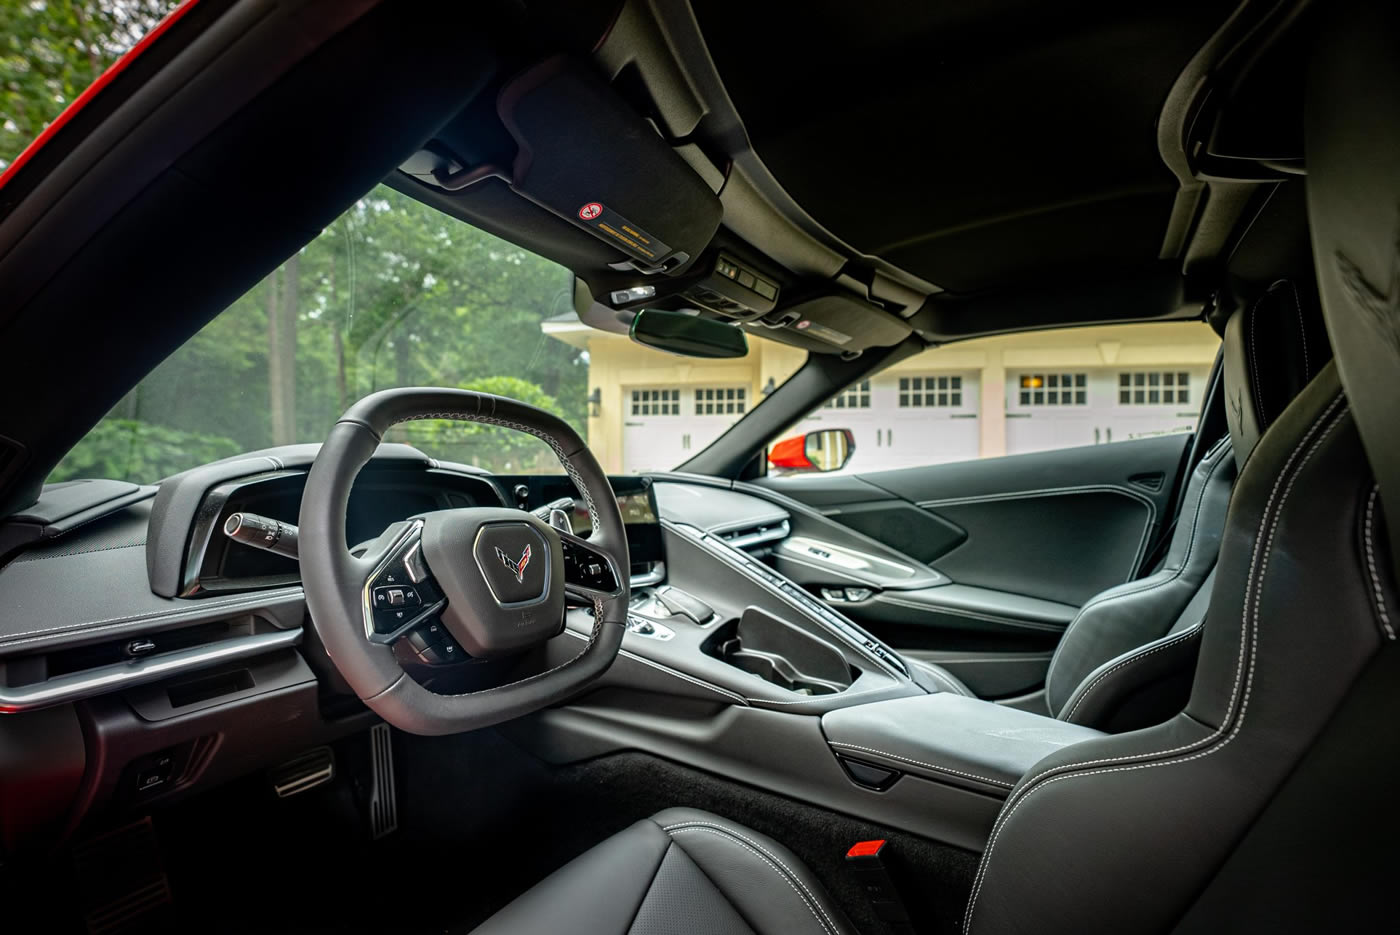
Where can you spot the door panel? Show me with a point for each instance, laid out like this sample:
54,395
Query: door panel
1054,526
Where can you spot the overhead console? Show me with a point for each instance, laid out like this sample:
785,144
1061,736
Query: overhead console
585,156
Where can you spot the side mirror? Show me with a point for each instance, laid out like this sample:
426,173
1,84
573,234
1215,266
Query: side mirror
827,450
688,335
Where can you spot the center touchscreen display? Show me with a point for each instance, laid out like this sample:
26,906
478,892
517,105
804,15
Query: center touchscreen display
635,499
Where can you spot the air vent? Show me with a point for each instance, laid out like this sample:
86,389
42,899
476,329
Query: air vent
745,537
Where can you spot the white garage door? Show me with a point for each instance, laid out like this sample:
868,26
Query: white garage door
905,421
667,425
1065,409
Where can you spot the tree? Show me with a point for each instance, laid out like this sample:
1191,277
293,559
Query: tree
393,292
51,51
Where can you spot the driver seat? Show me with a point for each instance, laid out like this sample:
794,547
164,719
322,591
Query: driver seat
1268,804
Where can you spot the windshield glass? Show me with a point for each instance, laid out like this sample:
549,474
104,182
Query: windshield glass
395,293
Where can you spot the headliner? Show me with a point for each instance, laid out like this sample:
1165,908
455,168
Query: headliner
973,144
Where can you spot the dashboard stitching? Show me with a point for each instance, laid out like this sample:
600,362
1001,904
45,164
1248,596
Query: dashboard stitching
48,558
543,436
262,598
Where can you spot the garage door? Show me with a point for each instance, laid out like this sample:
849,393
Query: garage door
667,425
1049,410
1065,409
904,421
933,419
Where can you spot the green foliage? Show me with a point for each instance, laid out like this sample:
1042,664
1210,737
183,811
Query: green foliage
392,293
496,449
51,50
122,448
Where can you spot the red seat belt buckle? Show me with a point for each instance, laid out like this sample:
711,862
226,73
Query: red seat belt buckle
866,860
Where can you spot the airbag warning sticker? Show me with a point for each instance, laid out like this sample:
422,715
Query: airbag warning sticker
623,234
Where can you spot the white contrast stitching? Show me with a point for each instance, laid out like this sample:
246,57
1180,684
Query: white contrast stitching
1302,330
954,611
542,435
1190,543
1136,655
1249,639
259,600
1254,371
939,676
1371,563
1221,449
933,766
753,847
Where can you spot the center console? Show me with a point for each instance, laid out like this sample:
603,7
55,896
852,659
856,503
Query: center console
731,665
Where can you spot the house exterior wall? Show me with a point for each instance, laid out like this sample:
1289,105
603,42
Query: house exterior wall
989,370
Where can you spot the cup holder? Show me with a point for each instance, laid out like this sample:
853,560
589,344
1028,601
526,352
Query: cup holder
780,653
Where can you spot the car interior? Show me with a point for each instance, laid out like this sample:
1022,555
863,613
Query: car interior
352,685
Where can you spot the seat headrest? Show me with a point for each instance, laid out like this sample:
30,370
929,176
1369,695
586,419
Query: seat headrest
1351,128
1273,348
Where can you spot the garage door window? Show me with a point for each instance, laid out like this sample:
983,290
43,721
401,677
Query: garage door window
1154,388
1054,389
719,401
856,397
930,391
656,402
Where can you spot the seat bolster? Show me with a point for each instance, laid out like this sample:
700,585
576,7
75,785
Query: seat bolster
1131,615
1103,692
599,892
680,871
773,890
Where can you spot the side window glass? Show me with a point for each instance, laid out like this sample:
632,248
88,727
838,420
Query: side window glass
1023,393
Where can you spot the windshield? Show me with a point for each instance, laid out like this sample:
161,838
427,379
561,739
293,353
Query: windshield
395,293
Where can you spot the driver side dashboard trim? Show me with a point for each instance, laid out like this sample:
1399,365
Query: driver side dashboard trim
103,679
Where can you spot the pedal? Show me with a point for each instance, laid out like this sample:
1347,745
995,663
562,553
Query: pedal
122,884
307,771
383,799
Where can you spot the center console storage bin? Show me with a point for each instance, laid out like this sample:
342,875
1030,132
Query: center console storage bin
781,653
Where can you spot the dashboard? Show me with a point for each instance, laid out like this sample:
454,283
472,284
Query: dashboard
215,563
129,608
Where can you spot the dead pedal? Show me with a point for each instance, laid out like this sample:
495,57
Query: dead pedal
301,773
122,885
383,798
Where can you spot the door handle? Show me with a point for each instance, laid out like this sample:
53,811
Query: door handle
1097,433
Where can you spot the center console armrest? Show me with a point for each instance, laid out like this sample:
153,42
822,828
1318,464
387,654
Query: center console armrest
949,738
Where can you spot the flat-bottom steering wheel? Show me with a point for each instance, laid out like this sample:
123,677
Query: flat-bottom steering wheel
497,579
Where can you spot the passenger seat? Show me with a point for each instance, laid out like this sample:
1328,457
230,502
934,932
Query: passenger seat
1128,657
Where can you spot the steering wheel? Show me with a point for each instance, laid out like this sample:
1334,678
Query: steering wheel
497,579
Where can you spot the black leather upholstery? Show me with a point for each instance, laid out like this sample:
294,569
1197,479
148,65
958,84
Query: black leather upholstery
1127,658
1120,631
1272,349
680,871
1118,834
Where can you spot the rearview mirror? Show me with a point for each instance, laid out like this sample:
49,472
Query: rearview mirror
827,450
688,335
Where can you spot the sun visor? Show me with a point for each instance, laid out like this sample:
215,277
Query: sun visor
839,323
587,156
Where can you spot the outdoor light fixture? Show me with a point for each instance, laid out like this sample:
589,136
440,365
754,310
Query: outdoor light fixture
595,402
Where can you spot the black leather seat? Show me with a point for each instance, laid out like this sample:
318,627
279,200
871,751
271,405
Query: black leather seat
680,871
1126,659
